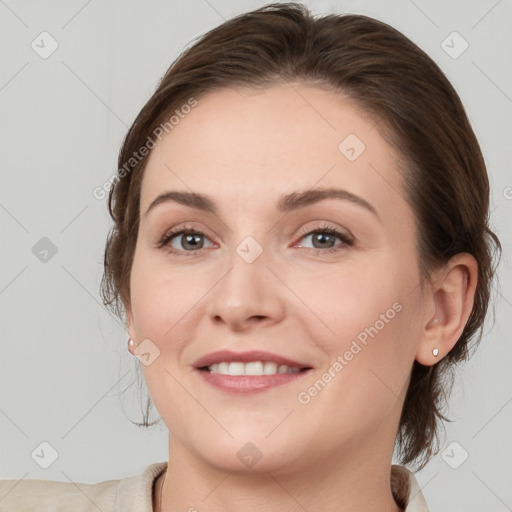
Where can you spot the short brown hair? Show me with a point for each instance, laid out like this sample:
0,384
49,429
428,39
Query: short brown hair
418,112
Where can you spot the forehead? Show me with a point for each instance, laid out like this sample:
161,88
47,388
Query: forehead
241,144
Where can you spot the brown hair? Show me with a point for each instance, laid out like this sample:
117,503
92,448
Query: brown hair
418,112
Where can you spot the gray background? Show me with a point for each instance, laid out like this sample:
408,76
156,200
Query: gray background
66,376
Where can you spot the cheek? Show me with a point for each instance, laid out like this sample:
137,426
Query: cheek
362,317
164,298
350,300
367,366
164,303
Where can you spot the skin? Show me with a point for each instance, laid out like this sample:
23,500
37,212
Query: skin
245,149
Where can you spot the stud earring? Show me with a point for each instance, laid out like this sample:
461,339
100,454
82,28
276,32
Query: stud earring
131,343
435,352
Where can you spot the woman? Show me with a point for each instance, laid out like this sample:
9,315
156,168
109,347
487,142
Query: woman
301,254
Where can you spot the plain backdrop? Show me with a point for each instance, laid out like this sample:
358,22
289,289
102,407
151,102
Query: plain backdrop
66,377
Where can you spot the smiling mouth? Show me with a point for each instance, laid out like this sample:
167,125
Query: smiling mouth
252,368
237,377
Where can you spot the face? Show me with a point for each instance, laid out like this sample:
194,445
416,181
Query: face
330,285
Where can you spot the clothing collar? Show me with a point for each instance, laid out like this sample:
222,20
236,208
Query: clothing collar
134,494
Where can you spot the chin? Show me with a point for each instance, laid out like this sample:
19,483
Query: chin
248,454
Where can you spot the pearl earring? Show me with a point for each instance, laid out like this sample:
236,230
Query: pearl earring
435,352
131,343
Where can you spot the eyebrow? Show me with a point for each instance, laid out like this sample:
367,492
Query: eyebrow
286,203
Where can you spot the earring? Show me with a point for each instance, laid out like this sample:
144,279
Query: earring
435,352
131,343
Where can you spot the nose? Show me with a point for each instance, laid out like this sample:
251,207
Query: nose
247,294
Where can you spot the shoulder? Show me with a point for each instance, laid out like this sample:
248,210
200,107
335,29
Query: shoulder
406,490
46,495
29,495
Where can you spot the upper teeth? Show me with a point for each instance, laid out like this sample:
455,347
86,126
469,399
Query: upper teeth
252,368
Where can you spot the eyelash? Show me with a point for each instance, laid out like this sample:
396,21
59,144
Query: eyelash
169,235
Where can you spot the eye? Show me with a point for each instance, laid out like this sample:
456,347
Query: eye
324,237
188,240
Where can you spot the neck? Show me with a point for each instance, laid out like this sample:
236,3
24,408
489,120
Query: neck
354,481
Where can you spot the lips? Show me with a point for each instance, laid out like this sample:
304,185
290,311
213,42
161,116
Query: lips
247,357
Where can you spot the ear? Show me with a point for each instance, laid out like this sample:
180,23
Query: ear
451,301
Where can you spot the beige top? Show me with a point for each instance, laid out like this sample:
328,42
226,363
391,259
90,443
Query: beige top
134,493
